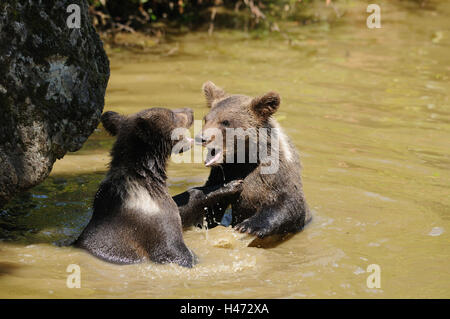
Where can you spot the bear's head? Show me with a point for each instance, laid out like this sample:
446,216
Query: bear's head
149,132
239,117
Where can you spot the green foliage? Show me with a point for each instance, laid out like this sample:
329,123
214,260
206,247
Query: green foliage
143,14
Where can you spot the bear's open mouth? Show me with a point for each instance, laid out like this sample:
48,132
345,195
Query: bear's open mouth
213,156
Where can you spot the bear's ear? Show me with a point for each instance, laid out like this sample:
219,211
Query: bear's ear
212,92
111,122
266,105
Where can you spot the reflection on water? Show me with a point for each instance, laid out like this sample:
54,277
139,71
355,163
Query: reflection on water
369,111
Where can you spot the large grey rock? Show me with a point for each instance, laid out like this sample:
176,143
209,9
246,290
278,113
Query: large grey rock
52,88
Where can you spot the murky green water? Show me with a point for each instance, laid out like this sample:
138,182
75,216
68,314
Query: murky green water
369,111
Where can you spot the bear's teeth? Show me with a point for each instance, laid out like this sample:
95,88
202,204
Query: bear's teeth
214,159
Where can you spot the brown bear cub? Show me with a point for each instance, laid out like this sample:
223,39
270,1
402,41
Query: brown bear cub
270,203
134,217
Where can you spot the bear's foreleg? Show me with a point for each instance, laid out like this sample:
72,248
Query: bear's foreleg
192,203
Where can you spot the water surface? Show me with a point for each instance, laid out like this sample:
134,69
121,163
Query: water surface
369,111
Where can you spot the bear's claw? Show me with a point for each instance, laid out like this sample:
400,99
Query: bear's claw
253,227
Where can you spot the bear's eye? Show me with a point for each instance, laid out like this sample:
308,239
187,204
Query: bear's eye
225,123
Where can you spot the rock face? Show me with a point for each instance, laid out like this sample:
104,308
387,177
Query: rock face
52,87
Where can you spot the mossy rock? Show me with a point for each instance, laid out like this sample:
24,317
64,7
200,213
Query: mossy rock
52,88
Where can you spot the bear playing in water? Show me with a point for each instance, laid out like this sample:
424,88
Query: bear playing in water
270,203
134,218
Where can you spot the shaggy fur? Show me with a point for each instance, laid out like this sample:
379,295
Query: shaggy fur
269,203
134,218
